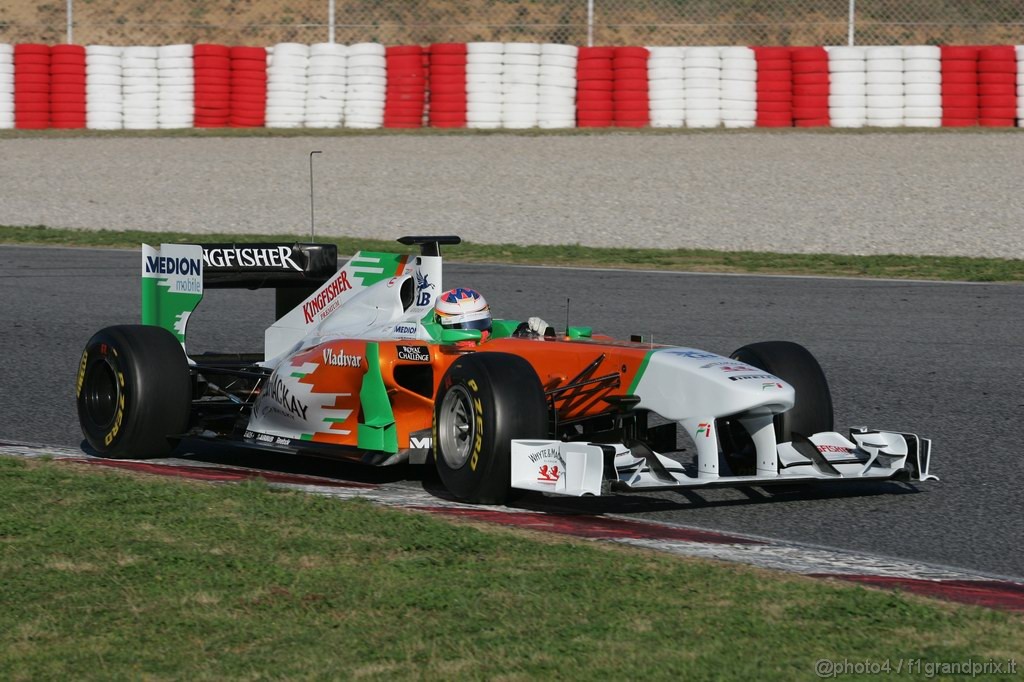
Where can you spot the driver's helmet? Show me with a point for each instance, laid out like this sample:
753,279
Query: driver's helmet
462,309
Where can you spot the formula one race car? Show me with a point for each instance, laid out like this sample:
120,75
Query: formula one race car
357,368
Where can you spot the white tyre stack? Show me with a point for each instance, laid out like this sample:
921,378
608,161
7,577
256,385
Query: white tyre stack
848,87
739,87
484,66
287,83
6,86
366,90
922,86
1020,86
177,81
104,101
140,88
520,85
885,86
702,72
326,82
665,87
556,92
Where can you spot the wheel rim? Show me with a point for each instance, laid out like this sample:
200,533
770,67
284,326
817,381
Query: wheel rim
101,394
456,427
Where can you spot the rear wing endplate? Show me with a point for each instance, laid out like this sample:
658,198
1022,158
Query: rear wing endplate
174,276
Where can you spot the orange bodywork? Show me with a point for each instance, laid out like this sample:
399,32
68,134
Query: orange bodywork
337,372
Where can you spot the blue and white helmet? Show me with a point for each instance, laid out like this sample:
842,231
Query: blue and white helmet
462,309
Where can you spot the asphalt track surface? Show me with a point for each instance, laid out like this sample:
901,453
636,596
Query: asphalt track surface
938,359
946,192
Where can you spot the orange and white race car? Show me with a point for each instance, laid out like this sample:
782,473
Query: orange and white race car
357,368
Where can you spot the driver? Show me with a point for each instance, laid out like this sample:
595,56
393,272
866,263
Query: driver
466,309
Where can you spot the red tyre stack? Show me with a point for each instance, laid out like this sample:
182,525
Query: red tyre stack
407,87
959,86
810,87
448,85
31,86
774,87
595,86
248,87
631,97
67,86
212,64
997,86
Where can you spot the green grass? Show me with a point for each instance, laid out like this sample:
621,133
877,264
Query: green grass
108,575
694,260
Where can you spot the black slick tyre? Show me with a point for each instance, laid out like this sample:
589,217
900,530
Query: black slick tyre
812,412
484,401
133,391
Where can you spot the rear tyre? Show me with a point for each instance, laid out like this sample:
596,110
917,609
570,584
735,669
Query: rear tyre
483,402
133,391
812,412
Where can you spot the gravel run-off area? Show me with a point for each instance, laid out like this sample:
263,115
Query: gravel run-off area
923,193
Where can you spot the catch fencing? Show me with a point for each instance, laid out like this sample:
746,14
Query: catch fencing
575,22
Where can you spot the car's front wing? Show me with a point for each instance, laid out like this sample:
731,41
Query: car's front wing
578,469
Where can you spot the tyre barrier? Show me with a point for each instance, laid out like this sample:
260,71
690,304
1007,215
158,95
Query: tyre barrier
774,87
556,94
810,87
630,98
6,86
141,87
848,94
212,65
104,88
31,86
483,78
739,87
595,85
922,86
515,85
520,85
959,87
366,87
885,86
997,86
449,86
702,72
665,87
248,87
1020,85
406,93
287,83
176,81
326,80
67,86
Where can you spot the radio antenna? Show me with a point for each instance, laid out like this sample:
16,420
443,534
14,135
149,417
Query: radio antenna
312,214
567,316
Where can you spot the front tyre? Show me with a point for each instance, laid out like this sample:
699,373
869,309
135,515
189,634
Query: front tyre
484,401
133,391
795,365
812,412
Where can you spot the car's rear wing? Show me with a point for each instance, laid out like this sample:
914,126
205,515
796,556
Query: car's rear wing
174,276
310,286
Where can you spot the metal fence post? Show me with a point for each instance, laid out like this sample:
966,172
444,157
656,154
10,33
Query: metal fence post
590,23
70,13
330,21
851,24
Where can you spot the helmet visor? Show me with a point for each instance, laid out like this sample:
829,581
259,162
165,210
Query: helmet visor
483,324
